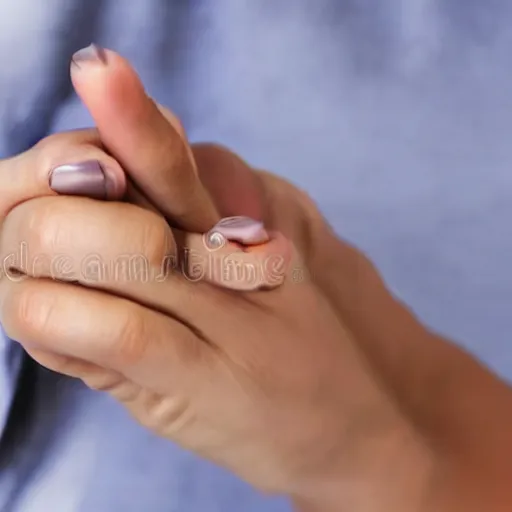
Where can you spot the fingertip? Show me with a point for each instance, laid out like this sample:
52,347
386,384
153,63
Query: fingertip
107,85
94,60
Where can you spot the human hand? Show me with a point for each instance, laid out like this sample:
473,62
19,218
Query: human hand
282,398
198,364
151,145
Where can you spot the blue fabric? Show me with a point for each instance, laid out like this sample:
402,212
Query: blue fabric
395,116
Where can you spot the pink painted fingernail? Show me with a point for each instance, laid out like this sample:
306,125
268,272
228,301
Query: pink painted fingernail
82,179
241,229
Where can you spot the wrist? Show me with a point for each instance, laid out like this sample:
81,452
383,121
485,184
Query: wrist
445,392
389,471
392,473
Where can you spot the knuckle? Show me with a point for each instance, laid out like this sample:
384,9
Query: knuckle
46,227
107,382
129,344
61,364
156,241
28,312
172,413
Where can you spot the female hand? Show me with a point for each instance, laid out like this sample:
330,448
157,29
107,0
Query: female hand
269,384
333,409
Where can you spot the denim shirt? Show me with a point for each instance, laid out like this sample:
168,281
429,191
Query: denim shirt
395,116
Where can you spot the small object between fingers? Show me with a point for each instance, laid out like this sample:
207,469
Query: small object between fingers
240,229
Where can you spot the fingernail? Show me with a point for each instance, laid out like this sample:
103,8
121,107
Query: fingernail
81,179
92,53
242,229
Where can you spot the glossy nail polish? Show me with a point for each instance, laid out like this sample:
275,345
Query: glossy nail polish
83,179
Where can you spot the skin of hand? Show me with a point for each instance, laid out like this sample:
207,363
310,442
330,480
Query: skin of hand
332,408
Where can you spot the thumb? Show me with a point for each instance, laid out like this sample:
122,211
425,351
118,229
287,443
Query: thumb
150,147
